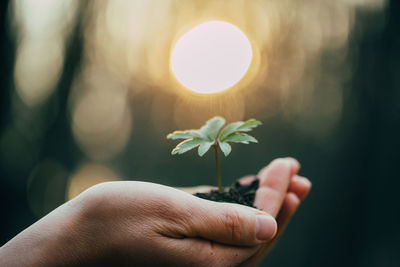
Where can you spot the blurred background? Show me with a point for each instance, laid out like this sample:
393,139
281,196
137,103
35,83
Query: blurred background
87,96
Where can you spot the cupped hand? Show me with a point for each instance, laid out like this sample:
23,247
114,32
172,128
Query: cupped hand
141,224
280,193
145,224
159,225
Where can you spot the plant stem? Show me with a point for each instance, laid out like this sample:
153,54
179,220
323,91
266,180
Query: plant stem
217,167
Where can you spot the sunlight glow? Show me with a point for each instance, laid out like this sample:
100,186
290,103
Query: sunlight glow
211,57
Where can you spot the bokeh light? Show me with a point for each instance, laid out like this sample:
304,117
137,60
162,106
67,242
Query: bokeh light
46,181
43,26
101,115
89,91
132,41
87,175
211,57
35,80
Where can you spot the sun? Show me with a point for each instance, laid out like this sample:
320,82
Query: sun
211,57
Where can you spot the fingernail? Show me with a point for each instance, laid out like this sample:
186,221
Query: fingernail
295,163
265,227
306,181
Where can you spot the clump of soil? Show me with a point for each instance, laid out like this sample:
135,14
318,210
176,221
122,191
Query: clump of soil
236,193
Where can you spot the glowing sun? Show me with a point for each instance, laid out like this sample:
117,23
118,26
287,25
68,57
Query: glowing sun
211,57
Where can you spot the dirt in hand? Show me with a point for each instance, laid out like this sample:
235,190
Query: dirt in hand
236,193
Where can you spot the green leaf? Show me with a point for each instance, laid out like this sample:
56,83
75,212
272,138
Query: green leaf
204,147
187,145
249,125
211,132
214,125
229,129
240,138
225,147
200,133
181,135
238,126
211,129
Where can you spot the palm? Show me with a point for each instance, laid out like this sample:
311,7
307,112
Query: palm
279,194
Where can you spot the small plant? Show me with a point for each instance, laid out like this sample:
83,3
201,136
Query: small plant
211,135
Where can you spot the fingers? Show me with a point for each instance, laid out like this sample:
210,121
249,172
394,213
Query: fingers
231,224
289,207
298,190
274,183
290,204
295,165
300,186
279,194
246,179
277,174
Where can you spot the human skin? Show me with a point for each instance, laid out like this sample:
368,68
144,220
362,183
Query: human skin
145,224
280,194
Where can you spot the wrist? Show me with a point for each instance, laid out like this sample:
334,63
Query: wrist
54,240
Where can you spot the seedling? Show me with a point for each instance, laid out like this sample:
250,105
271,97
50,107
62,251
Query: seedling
211,135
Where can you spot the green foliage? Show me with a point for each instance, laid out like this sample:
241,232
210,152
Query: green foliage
211,135
181,135
187,145
239,126
225,147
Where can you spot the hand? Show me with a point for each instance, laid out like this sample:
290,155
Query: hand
280,193
142,224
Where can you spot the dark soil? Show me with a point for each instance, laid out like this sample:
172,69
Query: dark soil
236,193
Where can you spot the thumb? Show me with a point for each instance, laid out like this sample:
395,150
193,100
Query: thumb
231,224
